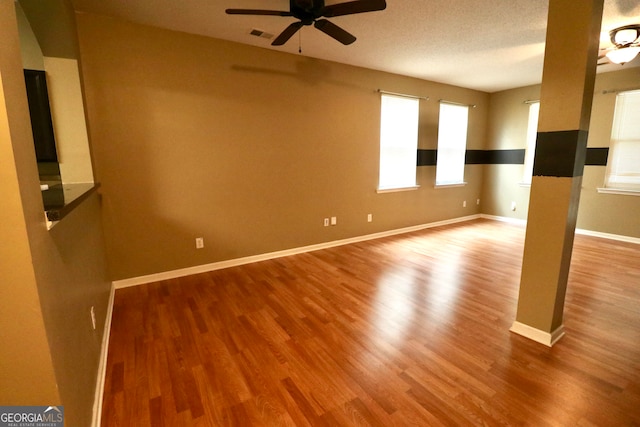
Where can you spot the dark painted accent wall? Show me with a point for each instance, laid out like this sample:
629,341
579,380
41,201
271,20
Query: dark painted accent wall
595,157
426,157
494,157
560,153
477,157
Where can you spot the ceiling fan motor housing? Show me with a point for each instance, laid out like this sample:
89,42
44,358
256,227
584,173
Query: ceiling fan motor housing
313,12
306,11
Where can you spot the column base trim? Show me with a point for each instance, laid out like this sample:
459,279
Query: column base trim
542,337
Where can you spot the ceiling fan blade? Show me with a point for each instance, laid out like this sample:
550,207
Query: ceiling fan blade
287,34
351,7
334,31
257,12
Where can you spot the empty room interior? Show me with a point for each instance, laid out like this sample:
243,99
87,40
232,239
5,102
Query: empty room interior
240,217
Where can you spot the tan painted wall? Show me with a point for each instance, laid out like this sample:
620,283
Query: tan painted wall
245,147
507,130
22,335
24,355
71,271
32,58
507,126
50,279
607,213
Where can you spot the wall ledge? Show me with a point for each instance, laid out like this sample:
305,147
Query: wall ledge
618,191
61,199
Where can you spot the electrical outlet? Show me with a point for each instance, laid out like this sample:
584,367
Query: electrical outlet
199,242
464,203
93,318
477,201
513,206
369,217
326,222
334,220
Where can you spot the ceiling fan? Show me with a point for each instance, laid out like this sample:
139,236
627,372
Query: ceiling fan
312,12
626,45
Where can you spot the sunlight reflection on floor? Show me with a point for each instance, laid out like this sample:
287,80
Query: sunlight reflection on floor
394,309
401,285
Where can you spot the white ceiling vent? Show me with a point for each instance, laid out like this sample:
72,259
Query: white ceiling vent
260,33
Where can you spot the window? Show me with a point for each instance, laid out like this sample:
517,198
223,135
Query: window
532,133
623,166
452,144
398,142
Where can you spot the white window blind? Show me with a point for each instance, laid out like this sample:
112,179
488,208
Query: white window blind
623,165
398,142
452,144
532,133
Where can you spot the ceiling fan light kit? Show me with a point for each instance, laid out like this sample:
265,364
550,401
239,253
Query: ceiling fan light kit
623,55
626,42
624,36
313,12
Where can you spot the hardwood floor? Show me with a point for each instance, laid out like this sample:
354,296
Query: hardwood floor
405,330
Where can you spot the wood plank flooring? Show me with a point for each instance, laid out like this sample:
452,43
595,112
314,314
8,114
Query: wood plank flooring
406,330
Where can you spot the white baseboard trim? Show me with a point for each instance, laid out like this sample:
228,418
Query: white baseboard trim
135,281
610,236
166,275
542,337
102,364
507,219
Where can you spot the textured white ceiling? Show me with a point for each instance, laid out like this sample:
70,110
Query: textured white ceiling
488,45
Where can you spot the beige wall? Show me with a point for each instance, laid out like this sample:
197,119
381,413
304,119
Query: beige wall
507,130
507,127
32,58
607,213
50,279
245,147
21,334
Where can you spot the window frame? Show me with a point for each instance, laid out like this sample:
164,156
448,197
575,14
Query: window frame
445,133
532,136
404,148
622,110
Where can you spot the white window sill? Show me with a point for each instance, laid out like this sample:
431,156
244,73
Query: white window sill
394,190
622,191
458,184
